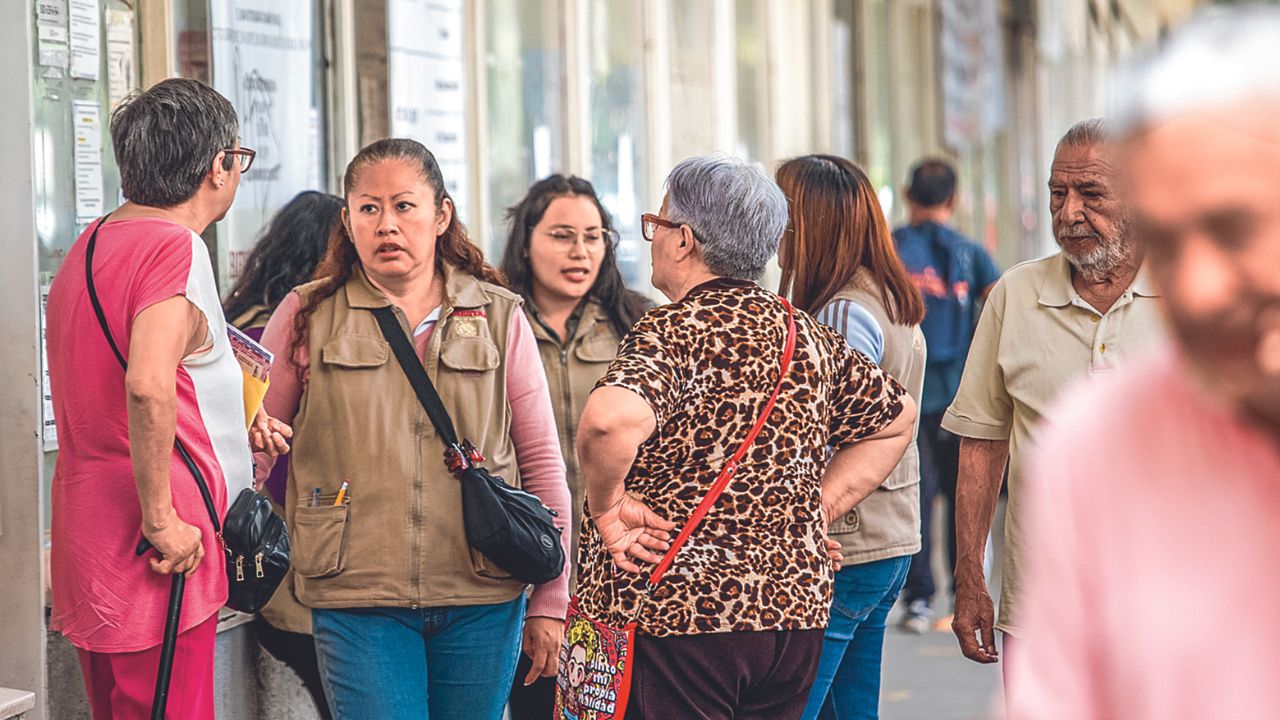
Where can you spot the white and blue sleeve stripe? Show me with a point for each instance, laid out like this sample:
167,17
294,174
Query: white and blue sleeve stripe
856,325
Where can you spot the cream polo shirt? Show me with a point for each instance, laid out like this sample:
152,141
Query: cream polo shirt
1035,338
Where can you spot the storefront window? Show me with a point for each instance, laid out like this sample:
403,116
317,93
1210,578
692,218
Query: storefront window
752,79
524,70
266,57
844,139
691,61
427,77
77,83
619,140
878,107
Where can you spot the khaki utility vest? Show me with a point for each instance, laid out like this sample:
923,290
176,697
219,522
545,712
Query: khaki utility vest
887,523
573,367
397,540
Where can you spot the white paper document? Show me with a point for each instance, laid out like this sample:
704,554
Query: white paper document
86,39
51,33
49,430
86,119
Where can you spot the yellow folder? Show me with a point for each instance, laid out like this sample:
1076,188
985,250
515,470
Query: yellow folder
254,391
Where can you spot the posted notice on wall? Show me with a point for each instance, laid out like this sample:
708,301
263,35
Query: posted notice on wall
428,82
49,430
52,49
86,122
120,80
86,38
263,62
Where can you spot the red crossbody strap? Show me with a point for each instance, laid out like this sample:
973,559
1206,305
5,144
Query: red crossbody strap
731,467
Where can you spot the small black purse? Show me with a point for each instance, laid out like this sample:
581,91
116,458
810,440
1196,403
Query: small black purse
509,526
255,539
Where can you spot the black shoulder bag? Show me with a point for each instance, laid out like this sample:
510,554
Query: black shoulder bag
509,526
252,535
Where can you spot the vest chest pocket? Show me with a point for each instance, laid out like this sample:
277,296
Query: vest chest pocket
469,354
318,534
600,348
354,351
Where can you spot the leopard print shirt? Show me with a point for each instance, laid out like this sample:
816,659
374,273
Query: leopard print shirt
707,365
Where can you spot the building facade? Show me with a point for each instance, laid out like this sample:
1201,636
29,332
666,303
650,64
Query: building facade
505,92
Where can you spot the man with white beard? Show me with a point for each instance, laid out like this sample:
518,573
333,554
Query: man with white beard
1046,324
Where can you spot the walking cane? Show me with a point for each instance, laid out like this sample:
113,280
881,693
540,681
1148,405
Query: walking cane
176,590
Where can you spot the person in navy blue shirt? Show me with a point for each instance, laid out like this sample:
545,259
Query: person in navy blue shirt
954,274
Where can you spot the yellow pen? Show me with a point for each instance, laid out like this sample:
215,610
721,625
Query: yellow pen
342,492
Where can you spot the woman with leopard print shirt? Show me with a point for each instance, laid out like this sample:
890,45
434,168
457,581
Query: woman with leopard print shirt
749,595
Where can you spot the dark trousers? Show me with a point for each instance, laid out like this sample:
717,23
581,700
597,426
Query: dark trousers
939,465
724,676
298,651
535,702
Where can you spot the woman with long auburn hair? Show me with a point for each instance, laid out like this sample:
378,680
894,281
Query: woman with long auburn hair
839,263
409,620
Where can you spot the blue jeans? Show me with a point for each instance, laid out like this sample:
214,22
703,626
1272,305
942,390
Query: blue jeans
452,663
848,682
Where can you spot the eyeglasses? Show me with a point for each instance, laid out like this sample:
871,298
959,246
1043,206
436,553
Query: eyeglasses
246,158
649,225
564,239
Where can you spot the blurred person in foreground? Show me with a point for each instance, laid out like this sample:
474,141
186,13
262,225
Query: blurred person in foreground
747,598
118,472
954,275
838,262
1078,313
561,257
1153,513
287,254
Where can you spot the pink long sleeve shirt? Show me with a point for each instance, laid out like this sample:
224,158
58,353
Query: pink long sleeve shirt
1153,539
533,425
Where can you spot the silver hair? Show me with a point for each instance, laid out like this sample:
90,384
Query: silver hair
736,211
1087,133
165,139
1223,56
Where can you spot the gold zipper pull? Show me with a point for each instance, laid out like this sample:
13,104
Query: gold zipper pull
239,568
257,560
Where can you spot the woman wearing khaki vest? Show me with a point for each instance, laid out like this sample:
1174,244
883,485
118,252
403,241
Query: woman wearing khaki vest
561,258
839,263
409,621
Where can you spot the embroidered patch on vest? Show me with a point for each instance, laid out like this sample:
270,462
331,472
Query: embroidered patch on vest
465,327
476,313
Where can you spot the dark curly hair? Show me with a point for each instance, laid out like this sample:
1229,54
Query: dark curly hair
287,253
340,263
623,306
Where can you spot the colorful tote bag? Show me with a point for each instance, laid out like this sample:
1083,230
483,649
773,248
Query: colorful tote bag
595,668
594,682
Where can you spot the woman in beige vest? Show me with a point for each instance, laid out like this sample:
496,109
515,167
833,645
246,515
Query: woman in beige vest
409,621
561,258
839,263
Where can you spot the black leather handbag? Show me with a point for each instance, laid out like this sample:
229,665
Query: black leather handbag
255,539
509,526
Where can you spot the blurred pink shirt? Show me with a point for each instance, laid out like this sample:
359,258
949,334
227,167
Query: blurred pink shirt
1154,541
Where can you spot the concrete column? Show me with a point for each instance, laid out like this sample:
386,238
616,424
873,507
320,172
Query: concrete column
22,660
